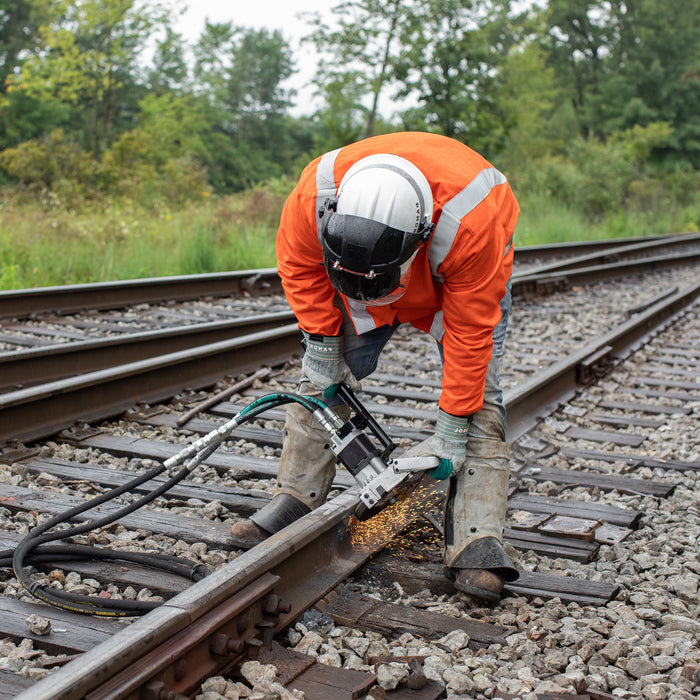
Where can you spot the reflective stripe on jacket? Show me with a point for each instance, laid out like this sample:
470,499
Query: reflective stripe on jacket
457,279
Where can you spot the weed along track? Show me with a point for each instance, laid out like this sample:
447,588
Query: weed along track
601,381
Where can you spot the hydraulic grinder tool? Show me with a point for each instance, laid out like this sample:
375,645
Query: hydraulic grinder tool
382,480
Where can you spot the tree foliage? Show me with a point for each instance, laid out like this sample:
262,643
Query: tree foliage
19,31
89,57
239,76
359,52
452,65
630,63
106,96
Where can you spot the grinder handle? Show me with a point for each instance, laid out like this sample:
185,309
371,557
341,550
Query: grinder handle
348,396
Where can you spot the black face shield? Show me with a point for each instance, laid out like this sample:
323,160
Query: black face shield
362,286
365,259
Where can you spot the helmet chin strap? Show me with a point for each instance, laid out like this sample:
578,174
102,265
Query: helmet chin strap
400,289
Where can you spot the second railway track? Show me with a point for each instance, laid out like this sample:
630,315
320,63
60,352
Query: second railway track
592,473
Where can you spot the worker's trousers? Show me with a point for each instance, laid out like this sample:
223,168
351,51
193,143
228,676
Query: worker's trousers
475,508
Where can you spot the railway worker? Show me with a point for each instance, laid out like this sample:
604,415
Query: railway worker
403,228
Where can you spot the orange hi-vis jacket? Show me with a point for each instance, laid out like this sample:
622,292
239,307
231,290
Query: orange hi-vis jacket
457,279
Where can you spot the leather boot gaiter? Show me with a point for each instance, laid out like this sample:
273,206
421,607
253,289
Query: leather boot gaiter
477,501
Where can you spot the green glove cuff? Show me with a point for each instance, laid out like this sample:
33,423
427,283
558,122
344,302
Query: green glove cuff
331,391
442,471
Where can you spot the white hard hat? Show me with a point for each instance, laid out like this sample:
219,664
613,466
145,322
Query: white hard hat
371,231
388,189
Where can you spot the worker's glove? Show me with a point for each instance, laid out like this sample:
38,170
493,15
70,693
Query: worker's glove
324,365
448,443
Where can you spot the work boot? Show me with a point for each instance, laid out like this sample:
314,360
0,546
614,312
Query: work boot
304,476
245,534
281,511
480,583
475,515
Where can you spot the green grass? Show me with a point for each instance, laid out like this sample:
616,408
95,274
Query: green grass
45,246
543,221
43,243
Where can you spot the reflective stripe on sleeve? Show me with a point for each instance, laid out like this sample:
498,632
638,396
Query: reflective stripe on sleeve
325,184
509,245
437,330
455,210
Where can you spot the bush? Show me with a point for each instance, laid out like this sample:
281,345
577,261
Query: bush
127,170
596,178
50,162
59,166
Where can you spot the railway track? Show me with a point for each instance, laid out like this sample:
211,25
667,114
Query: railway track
579,493
46,340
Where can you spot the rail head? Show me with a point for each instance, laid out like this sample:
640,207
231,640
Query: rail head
70,298
293,569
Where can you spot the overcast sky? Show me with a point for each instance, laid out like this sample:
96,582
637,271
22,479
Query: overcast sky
272,14
257,14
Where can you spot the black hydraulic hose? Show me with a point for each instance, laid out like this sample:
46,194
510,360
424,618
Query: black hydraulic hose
105,606
32,548
73,552
38,536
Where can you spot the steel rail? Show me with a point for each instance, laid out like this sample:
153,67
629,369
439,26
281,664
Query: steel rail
227,616
20,303
539,395
45,409
616,254
66,299
50,363
42,410
535,283
524,254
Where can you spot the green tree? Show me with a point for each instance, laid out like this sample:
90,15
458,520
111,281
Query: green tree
343,118
539,123
452,65
261,63
654,72
240,74
19,32
542,121
358,57
170,126
257,102
441,57
23,117
89,58
630,63
213,55
577,37
170,71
